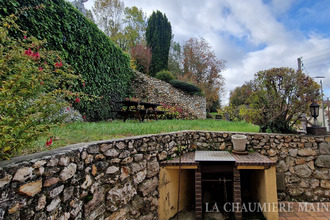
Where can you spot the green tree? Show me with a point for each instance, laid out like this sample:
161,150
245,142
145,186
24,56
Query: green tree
108,15
158,36
280,96
239,101
175,59
240,95
135,27
125,26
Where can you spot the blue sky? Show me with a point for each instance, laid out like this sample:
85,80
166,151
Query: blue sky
253,35
308,16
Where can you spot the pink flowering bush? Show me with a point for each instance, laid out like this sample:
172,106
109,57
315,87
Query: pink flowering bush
35,85
173,112
133,99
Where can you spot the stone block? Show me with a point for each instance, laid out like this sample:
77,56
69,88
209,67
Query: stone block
323,161
51,181
293,152
31,189
5,180
152,168
303,171
56,191
325,184
322,173
53,205
94,149
112,170
98,200
148,186
105,147
296,191
119,196
23,174
111,153
280,181
325,148
281,167
306,152
68,172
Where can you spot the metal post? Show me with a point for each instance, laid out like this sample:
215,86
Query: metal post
323,124
178,210
328,103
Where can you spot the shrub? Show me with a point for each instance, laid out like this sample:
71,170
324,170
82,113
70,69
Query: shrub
186,87
233,112
208,115
35,86
103,66
166,76
173,112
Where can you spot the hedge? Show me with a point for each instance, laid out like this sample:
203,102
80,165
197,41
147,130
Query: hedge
166,76
104,67
186,87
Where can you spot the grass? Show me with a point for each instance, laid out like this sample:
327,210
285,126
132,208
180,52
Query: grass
79,132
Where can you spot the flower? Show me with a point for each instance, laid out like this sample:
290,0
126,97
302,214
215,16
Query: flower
36,55
40,68
84,117
28,52
48,143
68,108
25,37
77,100
58,64
41,83
84,85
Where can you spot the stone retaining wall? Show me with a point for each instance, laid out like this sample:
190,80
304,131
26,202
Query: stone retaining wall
118,179
155,90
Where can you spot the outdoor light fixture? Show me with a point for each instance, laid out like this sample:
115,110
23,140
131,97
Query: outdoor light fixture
314,108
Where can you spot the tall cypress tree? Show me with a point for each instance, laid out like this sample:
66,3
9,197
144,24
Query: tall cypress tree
158,35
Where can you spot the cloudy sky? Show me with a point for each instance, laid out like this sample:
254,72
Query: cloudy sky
253,35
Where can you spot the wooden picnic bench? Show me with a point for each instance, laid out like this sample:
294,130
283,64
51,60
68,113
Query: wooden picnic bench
139,109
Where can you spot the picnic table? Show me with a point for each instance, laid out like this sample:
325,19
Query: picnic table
139,109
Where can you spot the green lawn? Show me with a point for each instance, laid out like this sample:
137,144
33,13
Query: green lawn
86,131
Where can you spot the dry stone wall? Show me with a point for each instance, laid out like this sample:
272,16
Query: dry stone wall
118,179
154,90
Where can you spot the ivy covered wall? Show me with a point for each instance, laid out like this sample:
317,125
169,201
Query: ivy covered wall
104,67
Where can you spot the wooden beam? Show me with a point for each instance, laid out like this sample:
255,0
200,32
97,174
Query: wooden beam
194,167
246,167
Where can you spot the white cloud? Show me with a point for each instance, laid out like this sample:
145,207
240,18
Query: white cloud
281,6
